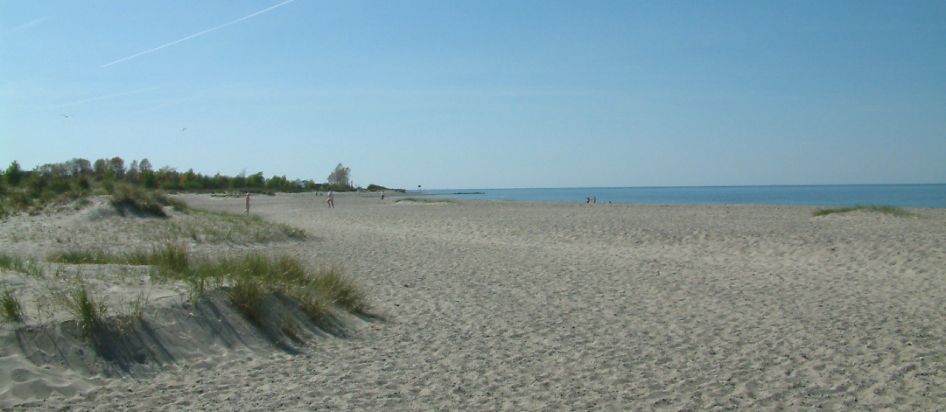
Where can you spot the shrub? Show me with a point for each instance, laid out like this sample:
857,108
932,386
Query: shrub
137,201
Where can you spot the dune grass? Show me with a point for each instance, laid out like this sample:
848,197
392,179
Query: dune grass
140,202
171,256
224,227
11,311
17,264
341,290
249,279
90,313
886,210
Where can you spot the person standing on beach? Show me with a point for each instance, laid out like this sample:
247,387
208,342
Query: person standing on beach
382,195
331,199
247,211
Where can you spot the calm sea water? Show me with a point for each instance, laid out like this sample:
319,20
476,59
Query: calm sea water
928,195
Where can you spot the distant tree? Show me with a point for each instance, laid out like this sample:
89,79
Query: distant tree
190,180
340,177
144,166
13,174
100,168
168,178
239,181
116,167
133,175
78,167
277,183
256,180
148,179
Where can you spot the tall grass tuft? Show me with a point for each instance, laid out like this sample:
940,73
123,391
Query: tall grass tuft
89,313
172,257
17,264
12,311
247,295
314,302
341,290
886,210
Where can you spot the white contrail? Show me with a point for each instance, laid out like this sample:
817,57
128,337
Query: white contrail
200,33
28,25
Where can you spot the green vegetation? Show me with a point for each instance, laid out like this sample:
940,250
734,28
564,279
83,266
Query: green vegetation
140,202
61,183
250,278
247,295
15,263
12,311
89,313
887,210
340,290
171,256
230,227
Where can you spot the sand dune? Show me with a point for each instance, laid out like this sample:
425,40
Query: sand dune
515,306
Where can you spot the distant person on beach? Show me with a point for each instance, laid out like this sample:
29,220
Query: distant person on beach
247,211
382,195
331,199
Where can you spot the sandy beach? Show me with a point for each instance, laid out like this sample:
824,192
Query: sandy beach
523,306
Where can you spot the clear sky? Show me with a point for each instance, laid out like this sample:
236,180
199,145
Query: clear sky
484,94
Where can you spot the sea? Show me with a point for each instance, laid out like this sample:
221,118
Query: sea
899,195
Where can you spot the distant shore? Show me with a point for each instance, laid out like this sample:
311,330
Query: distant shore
901,195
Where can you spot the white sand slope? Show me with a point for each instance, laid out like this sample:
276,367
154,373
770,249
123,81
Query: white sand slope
502,306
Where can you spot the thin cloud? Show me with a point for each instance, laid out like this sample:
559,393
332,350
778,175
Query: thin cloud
198,34
29,25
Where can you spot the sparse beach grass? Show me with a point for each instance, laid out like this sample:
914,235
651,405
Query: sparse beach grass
171,256
886,210
89,312
12,310
18,264
129,199
249,278
223,227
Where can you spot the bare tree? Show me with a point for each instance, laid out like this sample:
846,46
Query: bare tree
340,177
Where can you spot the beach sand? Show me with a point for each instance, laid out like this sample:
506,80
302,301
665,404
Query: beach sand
520,306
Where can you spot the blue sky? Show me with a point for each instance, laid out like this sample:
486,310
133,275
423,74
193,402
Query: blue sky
484,94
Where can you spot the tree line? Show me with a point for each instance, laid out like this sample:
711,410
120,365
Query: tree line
60,183
83,173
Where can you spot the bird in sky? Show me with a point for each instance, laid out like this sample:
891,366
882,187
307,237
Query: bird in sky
65,115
